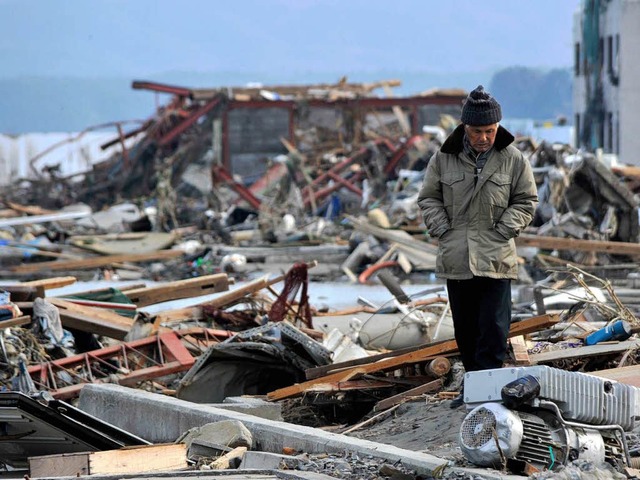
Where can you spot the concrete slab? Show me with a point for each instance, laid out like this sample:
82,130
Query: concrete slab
253,460
159,419
252,406
209,475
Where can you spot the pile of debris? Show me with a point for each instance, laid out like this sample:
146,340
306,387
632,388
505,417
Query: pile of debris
265,189
341,370
281,166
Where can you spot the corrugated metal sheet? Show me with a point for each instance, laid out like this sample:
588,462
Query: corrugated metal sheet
580,397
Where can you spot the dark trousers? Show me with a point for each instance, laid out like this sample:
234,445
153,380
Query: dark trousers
481,311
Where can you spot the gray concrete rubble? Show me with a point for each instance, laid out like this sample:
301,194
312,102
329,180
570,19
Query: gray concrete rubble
266,460
253,406
206,475
159,418
213,439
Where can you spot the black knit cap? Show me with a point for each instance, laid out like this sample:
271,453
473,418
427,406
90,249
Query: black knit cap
480,108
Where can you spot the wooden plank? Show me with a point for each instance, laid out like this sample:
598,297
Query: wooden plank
93,262
629,375
151,458
421,355
92,320
124,243
429,387
192,287
148,458
8,213
522,327
48,283
520,351
533,324
21,293
626,170
15,322
573,244
19,249
393,235
398,112
348,385
195,311
122,288
99,304
62,465
586,351
29,209
225,461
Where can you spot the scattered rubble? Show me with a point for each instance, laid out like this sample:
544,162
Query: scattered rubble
207,232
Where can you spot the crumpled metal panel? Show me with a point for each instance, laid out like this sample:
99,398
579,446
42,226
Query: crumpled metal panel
252,362
30,428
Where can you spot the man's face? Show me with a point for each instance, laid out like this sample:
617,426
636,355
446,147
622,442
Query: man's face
482,137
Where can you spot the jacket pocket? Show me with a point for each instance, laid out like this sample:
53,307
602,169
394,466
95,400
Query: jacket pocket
451,188
496,197
499,189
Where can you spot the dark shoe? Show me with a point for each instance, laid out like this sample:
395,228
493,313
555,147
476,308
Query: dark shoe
457,401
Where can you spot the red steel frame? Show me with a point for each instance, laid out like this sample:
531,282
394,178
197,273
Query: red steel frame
221,173
136,361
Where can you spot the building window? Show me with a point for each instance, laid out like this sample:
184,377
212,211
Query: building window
600,130
577,131
600,54
609,148
618,133
617,57
609,54
576,60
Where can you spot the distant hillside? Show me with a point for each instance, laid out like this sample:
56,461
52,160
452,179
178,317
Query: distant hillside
68,104
532,93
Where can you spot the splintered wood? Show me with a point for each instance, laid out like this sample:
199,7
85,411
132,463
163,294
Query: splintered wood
400,360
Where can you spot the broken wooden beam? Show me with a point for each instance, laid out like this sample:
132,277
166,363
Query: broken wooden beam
380,366
150,458
22,293
522,327
520,351
192,287
419,355
573,244
585,351
348,385
15,322
195,312
49,283
94,262
92,320
429,387
629,375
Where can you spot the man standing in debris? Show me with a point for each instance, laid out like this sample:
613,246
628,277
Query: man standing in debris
477,196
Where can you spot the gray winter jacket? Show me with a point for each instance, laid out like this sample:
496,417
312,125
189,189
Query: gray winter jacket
476,220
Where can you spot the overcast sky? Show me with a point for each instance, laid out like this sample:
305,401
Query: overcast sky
138,38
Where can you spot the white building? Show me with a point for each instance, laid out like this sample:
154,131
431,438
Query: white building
606,89
26,156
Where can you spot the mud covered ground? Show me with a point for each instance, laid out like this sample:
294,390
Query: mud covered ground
427,425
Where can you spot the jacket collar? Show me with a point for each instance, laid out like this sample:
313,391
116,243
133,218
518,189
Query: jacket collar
453,144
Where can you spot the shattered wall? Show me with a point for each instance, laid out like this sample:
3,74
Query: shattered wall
254,138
